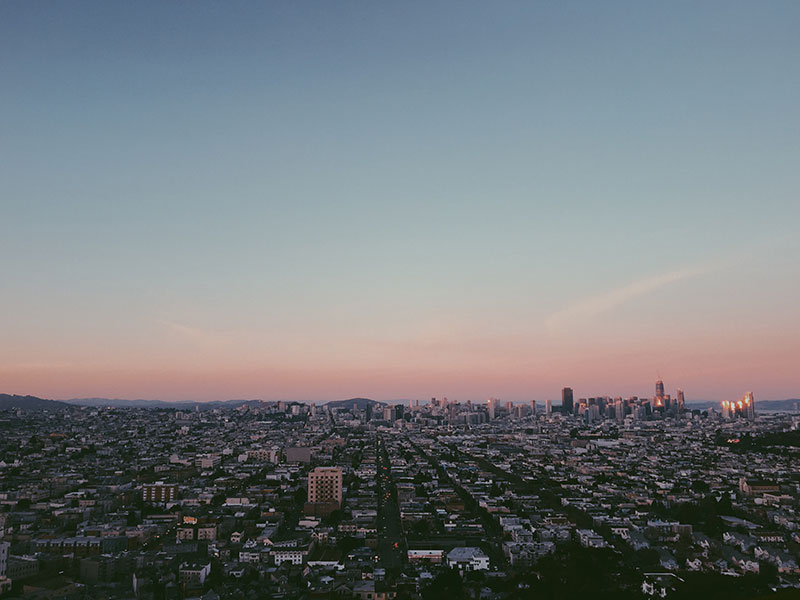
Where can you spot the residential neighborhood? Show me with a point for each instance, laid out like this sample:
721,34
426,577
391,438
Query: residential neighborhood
358,499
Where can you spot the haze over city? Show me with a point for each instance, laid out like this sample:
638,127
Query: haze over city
316,201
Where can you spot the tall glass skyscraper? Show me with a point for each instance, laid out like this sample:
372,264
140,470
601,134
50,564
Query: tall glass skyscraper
567,401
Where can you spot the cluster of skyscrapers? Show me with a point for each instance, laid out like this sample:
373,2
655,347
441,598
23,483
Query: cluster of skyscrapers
744,408
590,410
605,407
597,408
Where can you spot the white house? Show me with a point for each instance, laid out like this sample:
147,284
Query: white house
468,559
290,555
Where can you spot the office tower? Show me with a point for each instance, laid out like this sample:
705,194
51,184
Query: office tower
726,409
619,410
324,491
750,406
509,407
659,389
491,406
548,407
566,401
681,400
533,407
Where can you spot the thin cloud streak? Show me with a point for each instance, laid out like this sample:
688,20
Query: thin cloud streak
595,305
206,338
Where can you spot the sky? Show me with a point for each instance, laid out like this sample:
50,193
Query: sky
320,200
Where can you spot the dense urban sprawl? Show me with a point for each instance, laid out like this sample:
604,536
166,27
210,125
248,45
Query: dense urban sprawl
356,499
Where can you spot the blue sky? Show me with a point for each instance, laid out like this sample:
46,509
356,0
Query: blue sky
204,200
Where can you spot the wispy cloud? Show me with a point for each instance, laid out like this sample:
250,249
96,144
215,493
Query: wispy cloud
207,338
601,303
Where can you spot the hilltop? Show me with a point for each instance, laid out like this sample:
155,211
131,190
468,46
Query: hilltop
361,403
14,402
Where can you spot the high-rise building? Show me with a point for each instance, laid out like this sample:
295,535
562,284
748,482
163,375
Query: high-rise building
533,407
159,492
324,491
680,400
743,409
567,401
325,485
491,405
659,389
750,406
548,407
726,409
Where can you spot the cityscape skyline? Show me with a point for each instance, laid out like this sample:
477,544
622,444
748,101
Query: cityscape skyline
661,400
331,200
399,300
353,500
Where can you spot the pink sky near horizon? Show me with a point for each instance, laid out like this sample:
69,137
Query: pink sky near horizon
516,372
613,342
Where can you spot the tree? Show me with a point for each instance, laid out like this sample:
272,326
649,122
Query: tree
577,572
447,584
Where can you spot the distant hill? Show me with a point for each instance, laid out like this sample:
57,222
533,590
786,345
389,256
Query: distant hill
175,405
181,405
776,405
14,402
119,403
361,403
